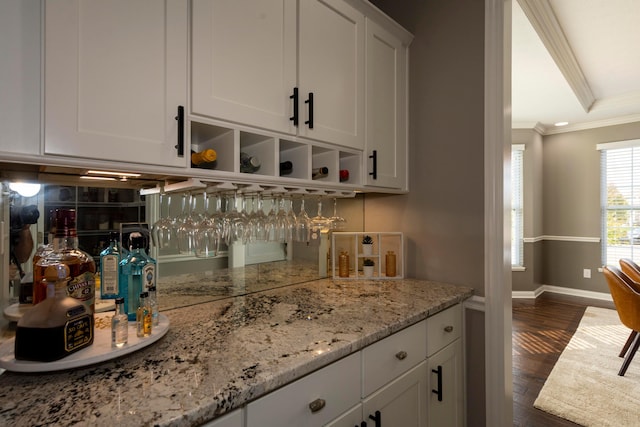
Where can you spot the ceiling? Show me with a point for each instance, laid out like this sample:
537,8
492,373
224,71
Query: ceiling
576,61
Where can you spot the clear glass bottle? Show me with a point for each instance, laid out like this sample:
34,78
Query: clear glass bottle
137,274
119,325
110,268
144,323
153,303
58,326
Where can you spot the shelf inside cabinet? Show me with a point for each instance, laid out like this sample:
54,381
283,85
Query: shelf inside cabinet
352,163
299,156
324,157
261,147
221,139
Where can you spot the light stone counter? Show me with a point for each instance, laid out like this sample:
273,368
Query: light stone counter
219,355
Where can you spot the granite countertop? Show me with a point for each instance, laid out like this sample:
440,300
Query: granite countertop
219,355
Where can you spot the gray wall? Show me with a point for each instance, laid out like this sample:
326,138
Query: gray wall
569,166
442,216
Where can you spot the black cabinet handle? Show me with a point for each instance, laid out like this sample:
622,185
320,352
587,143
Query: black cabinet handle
294,118
439,390
362,424
374,157
377,418
310,102
180,119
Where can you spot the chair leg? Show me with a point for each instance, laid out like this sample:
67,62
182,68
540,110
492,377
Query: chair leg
630,354
628,343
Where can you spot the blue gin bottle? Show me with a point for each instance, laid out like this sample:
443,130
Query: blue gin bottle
110,268
137,275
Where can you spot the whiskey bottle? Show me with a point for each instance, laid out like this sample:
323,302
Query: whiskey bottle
137,274
65,251
249,164
119,325
58,326
203,158
144,321
110,268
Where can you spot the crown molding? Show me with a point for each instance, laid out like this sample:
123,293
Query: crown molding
633,118
544,21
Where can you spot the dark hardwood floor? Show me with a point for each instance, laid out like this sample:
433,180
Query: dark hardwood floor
541,330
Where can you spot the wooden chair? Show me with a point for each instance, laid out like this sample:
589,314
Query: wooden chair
632,270
626,297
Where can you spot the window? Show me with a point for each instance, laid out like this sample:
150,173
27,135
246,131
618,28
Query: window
517,223
620,200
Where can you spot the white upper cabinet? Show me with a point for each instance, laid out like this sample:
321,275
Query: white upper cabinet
244,61
264,63
20,76
387,118
115,77
331,72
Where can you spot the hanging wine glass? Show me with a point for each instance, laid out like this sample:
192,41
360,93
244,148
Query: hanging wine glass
291,220
303,232
337,222
237,224
319,223
206,234
162,230
186,229
258,229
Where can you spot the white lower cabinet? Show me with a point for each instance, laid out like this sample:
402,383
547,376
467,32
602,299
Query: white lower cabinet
412,378
232,419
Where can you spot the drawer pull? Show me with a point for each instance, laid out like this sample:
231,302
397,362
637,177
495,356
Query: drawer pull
317,405
448,328
401,355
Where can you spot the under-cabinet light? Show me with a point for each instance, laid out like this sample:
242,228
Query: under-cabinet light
119,174
25,189
98,178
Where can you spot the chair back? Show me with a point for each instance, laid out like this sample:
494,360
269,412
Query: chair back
631,269
625,297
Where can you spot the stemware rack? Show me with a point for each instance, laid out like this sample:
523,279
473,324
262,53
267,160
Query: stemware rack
383,244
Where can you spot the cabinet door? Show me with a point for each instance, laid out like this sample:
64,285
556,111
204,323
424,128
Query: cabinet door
446,364
244,61
352,417
20,77
115,74
233,419
402,402
331,66
387,119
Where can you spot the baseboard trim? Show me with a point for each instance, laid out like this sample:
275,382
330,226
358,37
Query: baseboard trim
561,290
475,303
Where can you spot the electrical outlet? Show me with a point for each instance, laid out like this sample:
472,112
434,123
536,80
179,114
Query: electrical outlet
586,273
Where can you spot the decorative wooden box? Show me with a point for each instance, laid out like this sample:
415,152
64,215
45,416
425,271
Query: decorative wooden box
386,251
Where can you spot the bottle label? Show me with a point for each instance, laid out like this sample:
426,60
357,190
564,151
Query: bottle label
149,276
83,288
78,333
109,272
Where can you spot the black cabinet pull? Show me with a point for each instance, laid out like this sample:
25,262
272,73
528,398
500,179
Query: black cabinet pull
310,102
294,118
362,424
180,119
377,418
439,390
374,157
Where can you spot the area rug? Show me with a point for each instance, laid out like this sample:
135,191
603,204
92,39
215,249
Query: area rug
584,386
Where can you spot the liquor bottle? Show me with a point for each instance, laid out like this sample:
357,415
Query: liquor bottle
319,172
119,325
286,168
203,158
153,303
58,326
137,274
344,175
343,264
110,268
143,316
65,251
249,164
39,291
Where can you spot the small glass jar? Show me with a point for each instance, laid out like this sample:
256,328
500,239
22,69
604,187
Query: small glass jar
390,264
343,264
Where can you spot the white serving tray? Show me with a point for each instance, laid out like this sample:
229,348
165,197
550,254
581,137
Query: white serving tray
99,351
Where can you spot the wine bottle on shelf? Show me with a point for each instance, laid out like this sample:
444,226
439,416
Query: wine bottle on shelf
249,164
319,172
344,175
286,168
204,158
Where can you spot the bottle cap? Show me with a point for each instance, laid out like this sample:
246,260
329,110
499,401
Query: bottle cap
119,300
344,174
144,294
114,236
137,241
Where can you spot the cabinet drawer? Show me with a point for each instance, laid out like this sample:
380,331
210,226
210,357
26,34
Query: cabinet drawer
444,328
338,385
387,359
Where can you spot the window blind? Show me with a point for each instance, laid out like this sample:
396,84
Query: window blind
517,202
620,201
